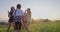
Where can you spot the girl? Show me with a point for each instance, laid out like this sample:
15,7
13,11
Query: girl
27,19
10,17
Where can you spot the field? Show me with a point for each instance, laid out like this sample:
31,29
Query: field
38,27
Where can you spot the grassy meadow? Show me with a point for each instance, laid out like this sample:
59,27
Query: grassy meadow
38,26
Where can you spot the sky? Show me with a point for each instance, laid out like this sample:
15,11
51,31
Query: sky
45,9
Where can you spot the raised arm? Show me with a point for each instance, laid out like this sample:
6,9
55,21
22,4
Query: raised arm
9,14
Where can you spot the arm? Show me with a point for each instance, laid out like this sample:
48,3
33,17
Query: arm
9,14
13,13
22,20
25,11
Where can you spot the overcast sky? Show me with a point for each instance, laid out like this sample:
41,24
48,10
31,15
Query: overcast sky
40,8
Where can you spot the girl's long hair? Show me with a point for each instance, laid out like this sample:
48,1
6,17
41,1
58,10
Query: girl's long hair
29,12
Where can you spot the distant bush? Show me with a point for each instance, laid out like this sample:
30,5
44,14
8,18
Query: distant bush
3,23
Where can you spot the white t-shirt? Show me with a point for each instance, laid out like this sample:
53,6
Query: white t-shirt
18,12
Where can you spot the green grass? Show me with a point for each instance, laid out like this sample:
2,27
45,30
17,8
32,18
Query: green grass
39,27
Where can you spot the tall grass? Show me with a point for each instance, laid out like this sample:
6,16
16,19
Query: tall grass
39,27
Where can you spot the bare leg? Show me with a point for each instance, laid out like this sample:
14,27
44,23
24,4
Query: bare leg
9,27
14,28
27,27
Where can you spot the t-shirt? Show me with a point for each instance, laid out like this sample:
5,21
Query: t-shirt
18,12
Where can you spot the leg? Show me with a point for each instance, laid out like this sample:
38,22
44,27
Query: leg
22,26
27,27
9,25
19,26
15,27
